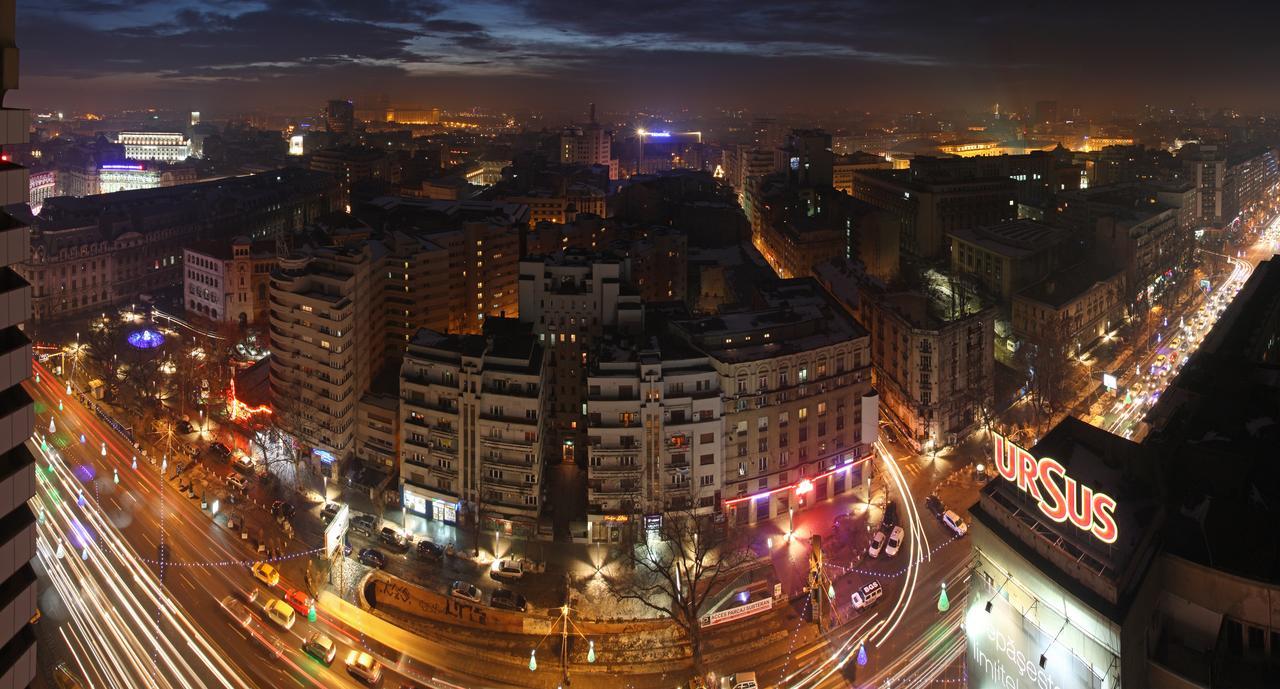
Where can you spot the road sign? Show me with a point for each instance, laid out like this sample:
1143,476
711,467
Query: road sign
1109,381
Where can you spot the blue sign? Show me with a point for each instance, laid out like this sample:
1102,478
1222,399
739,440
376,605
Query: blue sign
324,455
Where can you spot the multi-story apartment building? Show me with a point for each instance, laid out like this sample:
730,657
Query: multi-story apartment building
799,410
89,252
471,430
351,164
933,350
928,209
1007,257
227,281
326,346
655,433
1081,304
1205,166
166,147
571,298
845,165
17,415
589,144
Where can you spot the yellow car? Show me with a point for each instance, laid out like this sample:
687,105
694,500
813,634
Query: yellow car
1160,359
266,573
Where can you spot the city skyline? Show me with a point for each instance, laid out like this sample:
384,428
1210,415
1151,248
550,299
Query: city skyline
552,55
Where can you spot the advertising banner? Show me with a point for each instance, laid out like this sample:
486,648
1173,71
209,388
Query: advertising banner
1005,649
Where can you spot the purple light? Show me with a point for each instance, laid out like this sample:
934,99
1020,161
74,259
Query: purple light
658,135
146,339
136,168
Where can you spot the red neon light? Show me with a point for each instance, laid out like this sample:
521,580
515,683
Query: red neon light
240,410
795,486
805,486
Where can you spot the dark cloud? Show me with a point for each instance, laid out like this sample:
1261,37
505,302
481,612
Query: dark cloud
452,26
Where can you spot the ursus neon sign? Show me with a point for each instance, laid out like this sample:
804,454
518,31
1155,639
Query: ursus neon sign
1061,497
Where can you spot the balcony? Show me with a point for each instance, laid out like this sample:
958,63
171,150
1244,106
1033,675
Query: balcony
15,240
506,443
604,489
614,469
513,462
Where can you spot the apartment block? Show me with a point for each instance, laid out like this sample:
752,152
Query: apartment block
655,433
326,343
471,429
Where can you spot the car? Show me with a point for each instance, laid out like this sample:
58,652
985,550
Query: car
430,550
895,541
280,613
953,521
237,481
508,600
739,680
364,667
393,538
363,524
184,427
934,505
372,557
64,678
220,450
329,511
320,647
876,545
266,573
465,591
238,610
1159,359
506,570
243,463
300,601
1175,343
280,508
866,595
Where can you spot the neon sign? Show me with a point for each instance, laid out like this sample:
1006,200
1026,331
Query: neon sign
135,168
1061,497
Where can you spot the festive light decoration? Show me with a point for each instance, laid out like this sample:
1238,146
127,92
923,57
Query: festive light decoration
145,339
239,410
104,448
862,653
115,475
61,551
311,613
533,660
59,405
944,603
52,428
591,651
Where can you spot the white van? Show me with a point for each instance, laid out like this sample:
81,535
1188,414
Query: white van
281,613
867,595
740,680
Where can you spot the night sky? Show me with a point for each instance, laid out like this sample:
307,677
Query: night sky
557,54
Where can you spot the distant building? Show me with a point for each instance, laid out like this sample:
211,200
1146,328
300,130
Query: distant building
1046,112
89,252
471,434
41,185
844,166
1205,166
113,177
351,164
588,144
1007,257
165,147
927,210
340,116
227,281
1079,304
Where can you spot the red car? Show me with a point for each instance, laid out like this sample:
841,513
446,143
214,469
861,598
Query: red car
300,601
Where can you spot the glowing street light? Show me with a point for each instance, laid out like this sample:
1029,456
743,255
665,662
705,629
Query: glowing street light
591,651
533,660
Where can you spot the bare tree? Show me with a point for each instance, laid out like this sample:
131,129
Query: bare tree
675,571
1052,367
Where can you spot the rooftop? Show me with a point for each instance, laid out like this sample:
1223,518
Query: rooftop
1065,285
1014,239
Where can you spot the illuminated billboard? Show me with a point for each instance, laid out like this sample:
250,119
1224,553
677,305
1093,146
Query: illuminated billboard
1008,651
1061,497
296,145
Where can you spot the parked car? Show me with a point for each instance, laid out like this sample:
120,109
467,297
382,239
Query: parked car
219,450
430,550
739,680
895,541
508,600
280,508
393,538
506,570
935,506
266,573
237,481
866,595
363,524
465,591
320,647
243,463
184,427
876,545
329,511
373,557
953,521
300,601
363,667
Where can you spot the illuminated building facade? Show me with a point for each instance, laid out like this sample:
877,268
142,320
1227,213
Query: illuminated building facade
41,186
1065,539
1007,257
471,433
227,281
1081,303
166,147
588,144
799,411
18,663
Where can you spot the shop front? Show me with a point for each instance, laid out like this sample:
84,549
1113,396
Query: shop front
430,505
